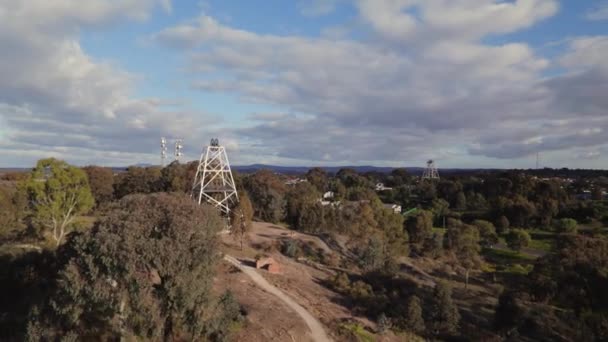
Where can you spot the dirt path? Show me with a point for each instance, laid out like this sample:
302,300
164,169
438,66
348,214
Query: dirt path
271,232
317,331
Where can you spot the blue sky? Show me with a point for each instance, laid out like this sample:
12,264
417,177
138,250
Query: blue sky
470,83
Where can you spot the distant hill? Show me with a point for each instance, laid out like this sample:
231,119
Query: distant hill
294,170
298,170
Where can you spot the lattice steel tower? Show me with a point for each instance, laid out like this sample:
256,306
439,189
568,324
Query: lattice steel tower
431,171
214,182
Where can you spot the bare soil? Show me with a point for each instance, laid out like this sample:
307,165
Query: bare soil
267,318
306,283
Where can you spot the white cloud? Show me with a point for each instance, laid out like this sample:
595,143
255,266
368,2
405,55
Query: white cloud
426,85
403,20
58,100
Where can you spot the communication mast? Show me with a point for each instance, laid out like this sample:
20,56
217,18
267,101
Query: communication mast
163,151
213,182
431,171
179,146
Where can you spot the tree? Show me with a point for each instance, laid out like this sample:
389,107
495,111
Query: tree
567,226
520,211
173,178
508,312
502,224
467,249
413,316
573,277
267,194
12,210
303,207
461,201
391,225
101,181
318,178
399,177
426,190
241,217
432,246
144,271
419,226
596,194
57,193
448,190
444,313
372,255
518,239
441,208
487,232
476,201
463,240
138,180
547,208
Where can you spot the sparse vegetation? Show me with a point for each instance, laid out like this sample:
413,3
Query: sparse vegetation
528,242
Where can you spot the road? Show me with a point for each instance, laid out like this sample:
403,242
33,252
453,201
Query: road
316,329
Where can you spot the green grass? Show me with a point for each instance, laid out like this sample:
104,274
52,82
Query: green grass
542,245
506,257
358,332
519,269
439,230
542,240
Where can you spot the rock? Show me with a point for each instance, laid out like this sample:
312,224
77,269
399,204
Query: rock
269,264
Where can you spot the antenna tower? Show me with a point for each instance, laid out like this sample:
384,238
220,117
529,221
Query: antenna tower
213,182
179,146
431,171
163,151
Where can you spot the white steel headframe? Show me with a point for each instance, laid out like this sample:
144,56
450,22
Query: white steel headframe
431,171
214,182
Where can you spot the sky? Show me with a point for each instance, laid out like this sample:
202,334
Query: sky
469,83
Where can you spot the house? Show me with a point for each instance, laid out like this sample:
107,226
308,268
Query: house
396,208
295,181
328,195
326,203
381,187
585,195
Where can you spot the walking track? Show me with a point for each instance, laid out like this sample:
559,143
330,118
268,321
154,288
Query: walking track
316,329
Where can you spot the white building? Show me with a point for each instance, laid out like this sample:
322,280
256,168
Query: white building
381,187
396,208
328,195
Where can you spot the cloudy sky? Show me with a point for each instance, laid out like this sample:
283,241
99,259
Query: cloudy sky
470,83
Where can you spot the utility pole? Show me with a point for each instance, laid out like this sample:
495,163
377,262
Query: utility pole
179,146
163,151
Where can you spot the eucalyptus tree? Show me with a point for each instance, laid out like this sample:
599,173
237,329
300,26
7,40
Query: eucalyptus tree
57,193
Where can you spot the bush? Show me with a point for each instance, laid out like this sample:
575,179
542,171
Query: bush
384,323
361,290
341,282
518,239
567,226
291,248
145,270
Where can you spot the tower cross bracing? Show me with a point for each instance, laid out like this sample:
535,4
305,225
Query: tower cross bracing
213,182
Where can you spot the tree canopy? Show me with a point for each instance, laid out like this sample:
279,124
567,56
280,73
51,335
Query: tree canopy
144,270
57,192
